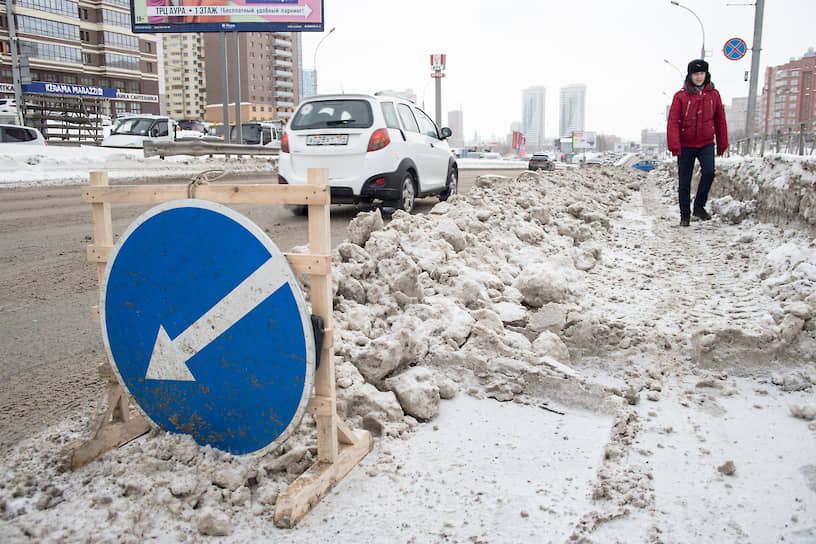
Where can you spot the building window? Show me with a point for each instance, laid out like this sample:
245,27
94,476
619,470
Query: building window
44,27
149,67
50,51
60,7
123,41
148,47
125,62
116,18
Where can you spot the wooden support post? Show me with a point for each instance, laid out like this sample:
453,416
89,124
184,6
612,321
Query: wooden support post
321,295
116,425
339,448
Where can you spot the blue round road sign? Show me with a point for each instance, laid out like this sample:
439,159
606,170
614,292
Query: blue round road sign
206,327
735,49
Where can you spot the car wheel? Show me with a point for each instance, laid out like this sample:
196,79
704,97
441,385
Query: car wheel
453,186
408,195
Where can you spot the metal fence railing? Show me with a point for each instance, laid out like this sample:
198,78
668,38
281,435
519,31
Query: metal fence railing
798,142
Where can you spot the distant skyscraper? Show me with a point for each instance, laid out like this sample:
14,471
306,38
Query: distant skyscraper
573,105
308,88
532,116
457,126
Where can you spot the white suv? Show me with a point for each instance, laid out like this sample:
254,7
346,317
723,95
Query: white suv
376,148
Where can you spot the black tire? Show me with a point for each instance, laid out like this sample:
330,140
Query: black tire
452,186
407,194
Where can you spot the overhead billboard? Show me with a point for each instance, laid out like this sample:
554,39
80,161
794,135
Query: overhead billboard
583,140
151,16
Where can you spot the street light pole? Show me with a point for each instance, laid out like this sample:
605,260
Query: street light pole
679,71
678,4
314,62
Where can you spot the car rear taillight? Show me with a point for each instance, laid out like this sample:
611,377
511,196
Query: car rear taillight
378,140
285,143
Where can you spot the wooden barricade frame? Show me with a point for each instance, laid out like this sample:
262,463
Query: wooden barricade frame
339,447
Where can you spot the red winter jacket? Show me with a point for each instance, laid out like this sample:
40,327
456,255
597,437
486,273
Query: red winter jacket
695,118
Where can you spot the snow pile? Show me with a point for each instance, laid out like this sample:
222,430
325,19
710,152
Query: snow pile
780,188
474,296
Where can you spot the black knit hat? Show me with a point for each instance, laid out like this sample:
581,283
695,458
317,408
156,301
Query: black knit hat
697,65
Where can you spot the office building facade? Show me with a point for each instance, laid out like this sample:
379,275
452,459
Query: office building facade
269,65
533,102
74,49
572,110
790,96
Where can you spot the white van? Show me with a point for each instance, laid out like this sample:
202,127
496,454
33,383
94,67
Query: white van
132,131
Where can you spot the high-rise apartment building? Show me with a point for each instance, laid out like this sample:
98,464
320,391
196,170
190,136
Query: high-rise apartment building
736,115
82,49
457,125
572,109
184,76
533,101
790,96
269,75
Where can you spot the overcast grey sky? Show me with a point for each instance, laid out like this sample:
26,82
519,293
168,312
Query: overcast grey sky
497,48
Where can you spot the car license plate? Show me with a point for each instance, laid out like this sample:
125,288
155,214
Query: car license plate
327,139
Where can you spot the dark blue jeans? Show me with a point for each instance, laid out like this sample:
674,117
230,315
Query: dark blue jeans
685,167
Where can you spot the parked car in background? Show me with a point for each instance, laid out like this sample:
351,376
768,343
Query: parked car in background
540,161
645,164
8,105
15,134
132,131
377,148
267,133
190,129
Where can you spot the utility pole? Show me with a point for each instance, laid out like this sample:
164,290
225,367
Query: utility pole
237,75
752,88
15,63
225,88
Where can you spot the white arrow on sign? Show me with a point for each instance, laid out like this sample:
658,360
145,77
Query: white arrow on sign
169,358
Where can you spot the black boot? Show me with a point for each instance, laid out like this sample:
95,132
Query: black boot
684,220
701,214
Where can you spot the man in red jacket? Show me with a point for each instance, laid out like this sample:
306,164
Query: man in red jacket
695,118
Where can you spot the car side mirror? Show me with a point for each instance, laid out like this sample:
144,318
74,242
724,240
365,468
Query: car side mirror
446,132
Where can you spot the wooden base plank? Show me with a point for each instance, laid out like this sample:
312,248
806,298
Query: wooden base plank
109,437
296,500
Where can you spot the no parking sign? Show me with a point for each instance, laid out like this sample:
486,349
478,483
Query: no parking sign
735,49
206,328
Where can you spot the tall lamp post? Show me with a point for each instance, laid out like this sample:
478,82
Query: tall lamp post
314,63
679,71
678,4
